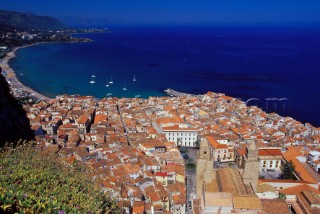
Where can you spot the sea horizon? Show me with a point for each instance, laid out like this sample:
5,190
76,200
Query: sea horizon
251,64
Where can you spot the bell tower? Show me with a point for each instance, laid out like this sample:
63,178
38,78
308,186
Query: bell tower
251,169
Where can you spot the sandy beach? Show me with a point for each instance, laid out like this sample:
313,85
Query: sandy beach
18,89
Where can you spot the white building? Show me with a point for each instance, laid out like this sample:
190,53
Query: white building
266,191
181,135
219,151
314,160
270,160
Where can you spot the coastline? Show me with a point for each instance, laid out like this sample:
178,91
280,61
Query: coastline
17,88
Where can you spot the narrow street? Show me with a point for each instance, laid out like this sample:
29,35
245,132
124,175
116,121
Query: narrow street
191,179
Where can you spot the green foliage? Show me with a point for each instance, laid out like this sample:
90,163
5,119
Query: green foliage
191,166
37,181
288,171
183,150
197,144
282,196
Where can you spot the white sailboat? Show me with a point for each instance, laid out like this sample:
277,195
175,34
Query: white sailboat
93,75
111,81
125,87
134,78
92,80
107,85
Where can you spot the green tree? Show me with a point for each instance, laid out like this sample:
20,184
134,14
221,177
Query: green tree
282,196
197,144
288,171
37,181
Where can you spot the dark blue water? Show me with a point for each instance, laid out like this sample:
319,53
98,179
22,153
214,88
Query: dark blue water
260,63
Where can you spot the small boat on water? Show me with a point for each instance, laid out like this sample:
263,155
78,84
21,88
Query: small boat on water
109,94
125,87
137,96
134,78
107,85
92,80
111,81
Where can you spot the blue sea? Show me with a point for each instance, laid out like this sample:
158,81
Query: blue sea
276,68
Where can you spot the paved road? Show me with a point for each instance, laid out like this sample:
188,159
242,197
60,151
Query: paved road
191,179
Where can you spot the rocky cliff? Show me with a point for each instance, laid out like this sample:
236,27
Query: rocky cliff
14,124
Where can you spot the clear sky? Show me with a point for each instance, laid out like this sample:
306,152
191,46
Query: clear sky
175,11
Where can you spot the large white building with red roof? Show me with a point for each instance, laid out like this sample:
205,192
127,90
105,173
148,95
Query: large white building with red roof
176,130
270,160
181,135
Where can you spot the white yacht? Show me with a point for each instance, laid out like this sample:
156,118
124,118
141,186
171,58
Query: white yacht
125,87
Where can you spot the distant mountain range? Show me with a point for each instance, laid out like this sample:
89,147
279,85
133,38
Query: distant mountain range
25,21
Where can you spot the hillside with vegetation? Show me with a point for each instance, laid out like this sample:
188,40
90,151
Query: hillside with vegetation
38,181
24,21
14,123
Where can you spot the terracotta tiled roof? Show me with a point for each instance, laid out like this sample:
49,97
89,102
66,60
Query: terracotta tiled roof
269,152
137,209
100,118
249,202
162,174
82,119
214,143
297,189
177,128
230,181
291,155
274,206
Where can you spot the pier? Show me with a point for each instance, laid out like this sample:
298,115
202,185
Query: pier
174,93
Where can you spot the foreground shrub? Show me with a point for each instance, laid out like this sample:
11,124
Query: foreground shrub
37,181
